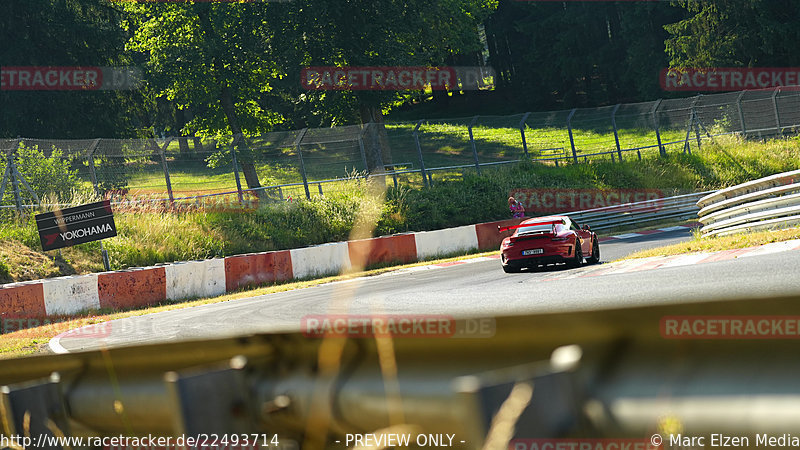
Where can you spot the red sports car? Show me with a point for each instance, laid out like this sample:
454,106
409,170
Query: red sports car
548,240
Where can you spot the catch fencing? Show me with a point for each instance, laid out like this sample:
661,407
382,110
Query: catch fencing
286,165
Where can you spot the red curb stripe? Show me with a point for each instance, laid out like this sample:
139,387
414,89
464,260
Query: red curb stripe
650,232
132,288
256,269
725,255
383,250
451,263
22,299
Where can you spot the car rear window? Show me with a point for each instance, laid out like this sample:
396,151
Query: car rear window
534,228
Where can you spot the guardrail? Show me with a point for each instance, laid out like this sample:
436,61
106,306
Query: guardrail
639,213
766,203
595,374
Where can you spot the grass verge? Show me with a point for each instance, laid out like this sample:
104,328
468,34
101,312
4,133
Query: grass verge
715,244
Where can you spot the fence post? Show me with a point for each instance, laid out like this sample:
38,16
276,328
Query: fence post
363,152
777,114
162,153
661,150
12,163
522,132
302,164
415,133
472,142
741,113
616,135
571,138
696,122
236,171
90,158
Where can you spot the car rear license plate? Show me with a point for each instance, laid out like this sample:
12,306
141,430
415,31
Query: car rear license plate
536,251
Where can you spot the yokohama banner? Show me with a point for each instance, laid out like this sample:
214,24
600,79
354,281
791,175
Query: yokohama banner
78,225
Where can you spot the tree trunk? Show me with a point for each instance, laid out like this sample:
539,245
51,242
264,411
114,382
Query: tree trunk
244,155
378,141
183,146
198,145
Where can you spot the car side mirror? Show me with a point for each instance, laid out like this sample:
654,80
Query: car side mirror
586,227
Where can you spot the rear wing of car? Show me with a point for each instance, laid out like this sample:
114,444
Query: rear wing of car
531,224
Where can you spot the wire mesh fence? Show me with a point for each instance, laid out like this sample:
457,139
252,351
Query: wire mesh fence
280,166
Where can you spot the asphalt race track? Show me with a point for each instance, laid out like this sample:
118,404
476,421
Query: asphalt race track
471,289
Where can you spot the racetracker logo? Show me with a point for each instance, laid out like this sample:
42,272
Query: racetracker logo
397,78
396,326
22,325
48,78
730,327
729,78
567,200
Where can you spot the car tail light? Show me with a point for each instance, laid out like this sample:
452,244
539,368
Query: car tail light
507,244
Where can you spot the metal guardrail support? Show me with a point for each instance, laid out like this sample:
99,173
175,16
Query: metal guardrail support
236,171
778,128
90,160
472,142
162,154
297,142
363,151
571,137
741,112
661,150
522,133
415,133
616,134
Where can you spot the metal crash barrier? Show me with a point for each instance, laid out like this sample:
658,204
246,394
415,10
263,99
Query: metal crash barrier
596,374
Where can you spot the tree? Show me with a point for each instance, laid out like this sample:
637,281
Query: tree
215,58
731,33
66,33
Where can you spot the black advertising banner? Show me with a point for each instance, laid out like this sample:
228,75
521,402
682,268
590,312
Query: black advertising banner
73,226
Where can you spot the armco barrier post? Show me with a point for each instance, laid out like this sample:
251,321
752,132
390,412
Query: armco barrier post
741,113
661,150
236,171
302,164
90,160
415,133
777,114
571,138
522,133
12,164
616,134
162,153
472,142
363,152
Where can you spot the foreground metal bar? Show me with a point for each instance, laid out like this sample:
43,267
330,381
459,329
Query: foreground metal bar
597,374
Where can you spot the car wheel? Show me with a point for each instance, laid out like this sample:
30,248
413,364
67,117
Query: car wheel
595,258
578,259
